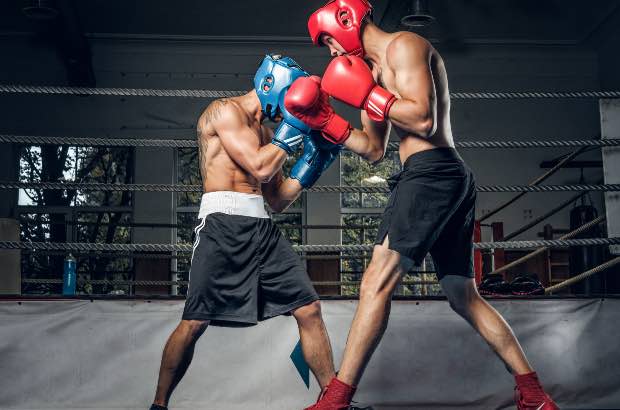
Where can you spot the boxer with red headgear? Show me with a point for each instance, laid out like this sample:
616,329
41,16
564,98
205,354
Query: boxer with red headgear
400,80
342,20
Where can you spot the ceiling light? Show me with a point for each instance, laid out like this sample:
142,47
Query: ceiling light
41,10
420,15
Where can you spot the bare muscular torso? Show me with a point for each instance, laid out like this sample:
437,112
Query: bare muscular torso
218,170
411,143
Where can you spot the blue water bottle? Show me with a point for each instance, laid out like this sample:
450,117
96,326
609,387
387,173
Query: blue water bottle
70,276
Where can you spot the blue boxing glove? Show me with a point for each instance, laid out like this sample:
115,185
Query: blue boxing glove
317,157
287,137
290,133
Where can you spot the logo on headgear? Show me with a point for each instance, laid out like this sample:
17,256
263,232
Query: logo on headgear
271,81
342,20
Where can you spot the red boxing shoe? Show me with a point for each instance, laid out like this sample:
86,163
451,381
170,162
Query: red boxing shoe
529,394
336,396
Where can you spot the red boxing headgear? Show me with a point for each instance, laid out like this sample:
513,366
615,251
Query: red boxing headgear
341,19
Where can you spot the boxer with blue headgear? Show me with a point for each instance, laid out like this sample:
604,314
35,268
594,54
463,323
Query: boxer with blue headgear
243,270
271,82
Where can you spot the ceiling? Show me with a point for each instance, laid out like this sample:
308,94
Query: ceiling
465,21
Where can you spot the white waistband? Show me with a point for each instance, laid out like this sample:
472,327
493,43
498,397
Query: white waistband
232,203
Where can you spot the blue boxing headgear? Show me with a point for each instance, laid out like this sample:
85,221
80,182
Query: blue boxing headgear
271,81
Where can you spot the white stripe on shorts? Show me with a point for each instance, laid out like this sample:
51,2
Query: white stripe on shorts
196,243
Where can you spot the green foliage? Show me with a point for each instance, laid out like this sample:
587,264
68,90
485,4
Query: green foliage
76,164
356,171
188,171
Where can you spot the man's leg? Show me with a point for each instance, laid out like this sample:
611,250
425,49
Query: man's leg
467,302
369,323
176,358
315,342
371,318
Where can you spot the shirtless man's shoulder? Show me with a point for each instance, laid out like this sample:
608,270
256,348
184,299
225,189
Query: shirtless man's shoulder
220,112
228,112
405,46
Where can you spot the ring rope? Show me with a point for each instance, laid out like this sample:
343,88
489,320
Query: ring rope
95,186
185,282
535,182
187,248
548,290
191,143
535,94
546,215
568,236
180,255
584,275
126,92
281,225
151,92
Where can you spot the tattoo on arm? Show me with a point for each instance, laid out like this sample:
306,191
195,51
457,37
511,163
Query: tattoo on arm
214,111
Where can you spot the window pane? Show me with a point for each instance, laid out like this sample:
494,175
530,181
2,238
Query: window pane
359,230
356,171
34,227
38,265
51,163
290,226
89,227
103,227
103,267
186,222
188,174
362,230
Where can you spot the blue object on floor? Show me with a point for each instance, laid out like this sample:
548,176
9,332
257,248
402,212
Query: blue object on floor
302,367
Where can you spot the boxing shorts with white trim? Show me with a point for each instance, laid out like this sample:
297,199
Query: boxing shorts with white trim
243,270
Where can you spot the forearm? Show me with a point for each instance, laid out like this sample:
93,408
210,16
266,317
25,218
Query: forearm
413,117
371,141
267,162
287,192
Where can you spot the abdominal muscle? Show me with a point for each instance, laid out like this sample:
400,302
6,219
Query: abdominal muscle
220,173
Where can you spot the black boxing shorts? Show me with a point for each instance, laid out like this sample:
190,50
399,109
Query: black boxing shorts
432,210
243,270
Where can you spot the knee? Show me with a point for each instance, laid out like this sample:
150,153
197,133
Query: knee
457,306
461,305
194,328
309,312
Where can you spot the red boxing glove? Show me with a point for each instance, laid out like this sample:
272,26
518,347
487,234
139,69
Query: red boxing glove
307,102
348,79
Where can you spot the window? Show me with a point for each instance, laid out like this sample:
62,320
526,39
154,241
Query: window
188,173
74,215
51,163
358,229
361,216
358,172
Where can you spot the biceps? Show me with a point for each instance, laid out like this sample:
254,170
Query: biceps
417,85
241,147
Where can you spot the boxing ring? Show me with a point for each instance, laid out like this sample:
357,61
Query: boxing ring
92,352
104,354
